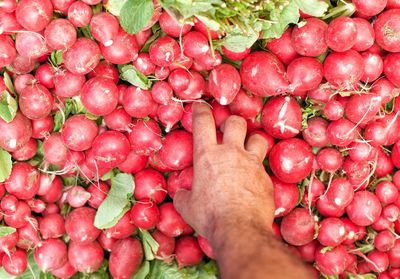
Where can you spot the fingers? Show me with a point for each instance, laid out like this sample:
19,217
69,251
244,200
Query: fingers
204,132
257,145
181,202
235,129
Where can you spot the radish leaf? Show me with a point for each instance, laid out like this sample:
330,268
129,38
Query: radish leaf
115,6
8,83
5,165
130,74
6,231
135,15
238,42
280,21
143,271
8,107
312,7
150,245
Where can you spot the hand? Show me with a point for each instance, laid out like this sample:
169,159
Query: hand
230,184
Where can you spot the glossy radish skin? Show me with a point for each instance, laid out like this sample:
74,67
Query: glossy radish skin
60,34
104,28
66,271
173,158
161,91
7,47
82,57
23,181
133,163
246,105
105,70
224,83
26,152
332,232
110,149
333,261
145,137
51,254
122,229
54,150
286,196
304,73
79,225
30,45
195,44
281,117
370,7
390,64
195,89
364,209
144,64
79,132
362,108
282,47
125,258
341,132
315,133
118,120
341,34
166,246
308,40
387,27
170,114
236,56
34,15
340,193
170,223
45,75
79,14
172,27
164,51
16,263
85,257
51,226
36,101
18,132
67,84
298,227
263,74
145,214
150,185
123,50
188,251
373,67
137,102
365,34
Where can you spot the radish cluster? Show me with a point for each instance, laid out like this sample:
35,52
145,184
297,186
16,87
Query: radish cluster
323,95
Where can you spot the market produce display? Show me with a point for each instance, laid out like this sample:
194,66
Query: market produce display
96,121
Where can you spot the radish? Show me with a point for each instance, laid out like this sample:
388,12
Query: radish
237,56
34,15
353,232
357,173
291,160
329,159
334,110
150,184
386,192
82,57
122,229
205,246
105,70
224,83
172,27
98,193
9,204
26,152
340,192
106,242
373,67
344,69
8,22
51,254
286,196
263,74
313,191
35,101
341,132
23,181
67,84
195,44
77,196
50,188
145,137
45,76
52,226
390,65
304,73
144,64
315,133
186,119
177,159
85,257
17,132
7,47
333,261
133,163
125,258
42,127
79,225
386,28
8,6
66,271
161,91
118,120
364,209
298,227
195,89
170,114
99,96
31,45
54,150
361,108
332,232
187,251
281,117
246,105
62,5
22,65
282,47
394,254
391,212
51,209
123,50
170,223
308,39
22,81
393,4
60,34
365,35
166,246
384,165
145,214
370,7
15,263
104,27
137,102
79,132
378,261
385,89
341,34
161,73
8,242
307,251
164,51
79,14
28,236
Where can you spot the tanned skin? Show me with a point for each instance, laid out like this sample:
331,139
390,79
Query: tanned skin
231,202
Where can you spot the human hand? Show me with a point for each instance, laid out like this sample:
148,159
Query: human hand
230,184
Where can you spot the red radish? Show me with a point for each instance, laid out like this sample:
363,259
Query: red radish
186,120
82,57
161,73
373,67
79,225
281,117
173,158
28,236
8,6
246,105
224,83
123,50
77,196
9,204
133,163
393,272
7,47
99,96
51,254
35,101
42,127
341,34
393,4
179,79
195,89
50,188
137,102
66,271
282,47
195,44
370,7
122,229
54,149
31,45
170,114
202,27
298,227
161,92
144,64
384,88
106,242
394,254
332,232
79,132
187,251
364,209
26,152
331,262
286,196
104,27
333,110
79,14
19,131
15,263
170,223
384,165
386,29
8,242
291,160
386,192
164,51
166,246
62,5
67,84
220,113
45,76
98,193
340,192
344,69
22,65
341,132
315,134
313,191
23,181
51,226
8,22
125,258
307,251
391,212
172,27
263,74
207,62
205,246
105,70
390,65
91,2
353,231
34,15
60,34
118,120
378,261
51,209
85,257
237,56
145,214
182,62
365,34
304,73
145,137
150,184
329,159
308,39
22,81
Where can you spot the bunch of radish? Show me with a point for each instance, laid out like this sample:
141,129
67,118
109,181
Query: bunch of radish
324,96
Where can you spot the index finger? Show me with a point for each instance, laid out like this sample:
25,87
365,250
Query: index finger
204,132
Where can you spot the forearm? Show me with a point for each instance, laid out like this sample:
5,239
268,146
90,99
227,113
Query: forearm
251,251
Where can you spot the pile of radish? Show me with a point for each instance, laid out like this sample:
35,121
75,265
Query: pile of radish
97,124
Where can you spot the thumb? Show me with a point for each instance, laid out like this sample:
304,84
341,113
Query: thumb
181,202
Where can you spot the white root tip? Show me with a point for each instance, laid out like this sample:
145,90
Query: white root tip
108,43
223,101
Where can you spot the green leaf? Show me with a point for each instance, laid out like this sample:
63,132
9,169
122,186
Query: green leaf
150,245
315,8
8,107
117,201
108,175
157,33
289,14
56,58
8,83
58,121
32,271
143,271
6,230
130,74
210,23
115,6
135,15
239,42
5,165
